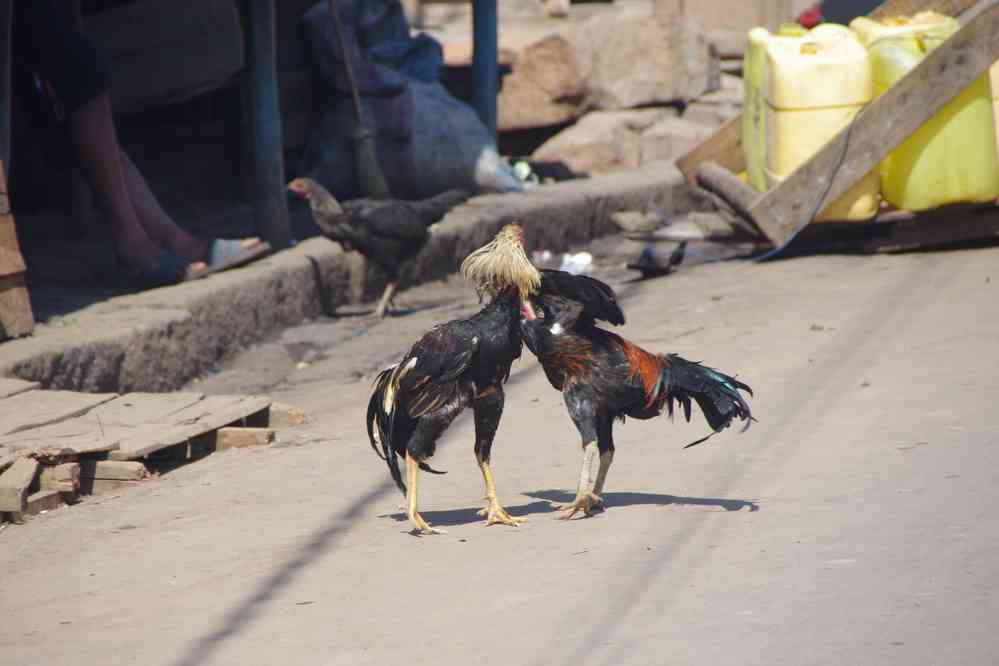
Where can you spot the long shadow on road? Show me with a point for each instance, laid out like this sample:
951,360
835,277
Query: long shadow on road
242,615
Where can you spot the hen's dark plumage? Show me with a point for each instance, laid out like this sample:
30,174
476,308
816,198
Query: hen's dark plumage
387,232
602,376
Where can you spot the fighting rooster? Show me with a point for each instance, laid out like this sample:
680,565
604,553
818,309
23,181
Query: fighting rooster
463,362
602,376
388,232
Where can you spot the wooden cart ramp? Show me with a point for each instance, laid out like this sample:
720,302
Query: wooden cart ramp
787,208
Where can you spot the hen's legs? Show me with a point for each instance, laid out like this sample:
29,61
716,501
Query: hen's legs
412,485
386,299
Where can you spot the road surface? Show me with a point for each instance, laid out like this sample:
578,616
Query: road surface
853,524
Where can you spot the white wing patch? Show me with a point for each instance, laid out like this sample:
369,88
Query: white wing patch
556,328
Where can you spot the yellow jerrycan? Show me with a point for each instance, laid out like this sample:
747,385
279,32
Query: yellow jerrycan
952,158
801,88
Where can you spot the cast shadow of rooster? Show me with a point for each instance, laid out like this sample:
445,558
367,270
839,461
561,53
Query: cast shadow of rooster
612,500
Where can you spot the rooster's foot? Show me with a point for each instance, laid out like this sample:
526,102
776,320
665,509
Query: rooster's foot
586,503
420,526
494,513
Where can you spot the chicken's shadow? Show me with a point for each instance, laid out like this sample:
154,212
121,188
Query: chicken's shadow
616,499
543,499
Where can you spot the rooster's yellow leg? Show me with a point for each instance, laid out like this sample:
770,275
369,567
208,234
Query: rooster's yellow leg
386,299
493,512
586,497
412,485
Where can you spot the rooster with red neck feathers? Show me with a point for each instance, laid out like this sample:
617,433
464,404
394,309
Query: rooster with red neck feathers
604,377
455,365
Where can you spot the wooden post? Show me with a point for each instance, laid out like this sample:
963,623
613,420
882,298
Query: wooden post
485,62
270,207
16,317
5,56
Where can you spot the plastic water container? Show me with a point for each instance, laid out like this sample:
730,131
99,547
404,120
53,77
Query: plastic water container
994,76
801,88
952,158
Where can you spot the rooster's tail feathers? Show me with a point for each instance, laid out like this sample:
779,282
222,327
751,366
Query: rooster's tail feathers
716,393
380,408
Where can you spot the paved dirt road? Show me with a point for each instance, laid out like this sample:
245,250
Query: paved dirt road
854,524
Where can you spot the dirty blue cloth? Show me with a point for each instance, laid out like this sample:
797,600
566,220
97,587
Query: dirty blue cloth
382,52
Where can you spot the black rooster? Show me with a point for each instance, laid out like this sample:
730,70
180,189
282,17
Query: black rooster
457,364
388,232
602,376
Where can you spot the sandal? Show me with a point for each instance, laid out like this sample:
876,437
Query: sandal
230,253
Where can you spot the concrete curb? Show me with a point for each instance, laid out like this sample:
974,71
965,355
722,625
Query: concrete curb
160,339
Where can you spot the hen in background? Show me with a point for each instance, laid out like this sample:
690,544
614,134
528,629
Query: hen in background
387,232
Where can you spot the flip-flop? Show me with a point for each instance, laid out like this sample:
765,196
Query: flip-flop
170,268
230,253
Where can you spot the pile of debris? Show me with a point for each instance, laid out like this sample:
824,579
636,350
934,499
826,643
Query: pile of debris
628,82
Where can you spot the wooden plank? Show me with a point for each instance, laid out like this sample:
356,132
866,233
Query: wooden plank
8,457
881,126
43,500
14,484
909,7
11,260
38,408
239,438
718,180
71,437
133,409
12,386
17,319
725,145
118,470
64,478
16,316
5,90
210,414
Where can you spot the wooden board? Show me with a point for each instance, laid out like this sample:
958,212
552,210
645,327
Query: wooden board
10,386
16,316
209,414
130,426
14,484
725,145
34,409
76,436
882,125
132,409
909,7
